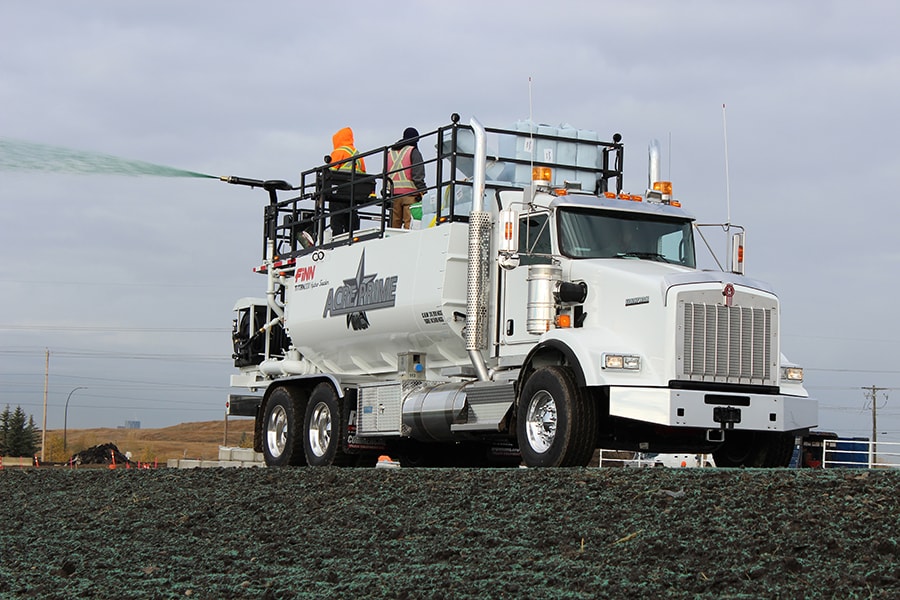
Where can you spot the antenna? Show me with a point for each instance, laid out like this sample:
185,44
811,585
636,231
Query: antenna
529,98
531,128
727,183
669,156
728,246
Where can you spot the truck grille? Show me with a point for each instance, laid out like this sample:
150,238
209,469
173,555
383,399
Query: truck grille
728,344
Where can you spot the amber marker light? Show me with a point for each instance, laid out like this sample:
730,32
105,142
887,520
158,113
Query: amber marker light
664,187
541,174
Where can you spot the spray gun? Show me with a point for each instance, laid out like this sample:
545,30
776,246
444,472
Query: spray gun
270,185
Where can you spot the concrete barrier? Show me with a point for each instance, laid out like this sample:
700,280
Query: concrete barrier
228,457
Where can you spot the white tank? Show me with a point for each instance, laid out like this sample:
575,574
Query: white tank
351,310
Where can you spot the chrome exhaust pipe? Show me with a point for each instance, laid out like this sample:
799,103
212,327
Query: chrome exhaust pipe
479,256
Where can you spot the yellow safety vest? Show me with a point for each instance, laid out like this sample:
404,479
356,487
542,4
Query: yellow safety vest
347,166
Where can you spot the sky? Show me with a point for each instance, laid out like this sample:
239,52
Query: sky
128,283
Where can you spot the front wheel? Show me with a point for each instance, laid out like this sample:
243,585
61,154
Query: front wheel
282,428
556,424
755,449
325,429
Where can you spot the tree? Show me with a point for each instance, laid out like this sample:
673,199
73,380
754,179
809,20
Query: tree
18,436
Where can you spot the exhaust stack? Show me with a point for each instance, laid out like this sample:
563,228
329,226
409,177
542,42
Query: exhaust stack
653,170
479,256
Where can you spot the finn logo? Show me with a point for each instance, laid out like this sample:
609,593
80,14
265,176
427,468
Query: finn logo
305,274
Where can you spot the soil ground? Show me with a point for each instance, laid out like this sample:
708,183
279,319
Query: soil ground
449,533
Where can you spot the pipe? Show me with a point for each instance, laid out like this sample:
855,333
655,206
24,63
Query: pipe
292,364
480,173
653,172
270,281
479,259
270,292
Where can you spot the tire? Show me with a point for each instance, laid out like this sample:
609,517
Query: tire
760,449
556,423
325,429
282,428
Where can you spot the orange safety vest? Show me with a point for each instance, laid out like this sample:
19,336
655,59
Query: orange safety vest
401,171
348,166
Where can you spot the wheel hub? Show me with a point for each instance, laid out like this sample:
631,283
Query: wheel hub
276,432
320,429
541,421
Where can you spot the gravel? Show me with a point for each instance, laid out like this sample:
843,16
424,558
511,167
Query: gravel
449,533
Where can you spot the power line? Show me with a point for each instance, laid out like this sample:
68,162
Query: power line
112,329
106,354
827,370
841,339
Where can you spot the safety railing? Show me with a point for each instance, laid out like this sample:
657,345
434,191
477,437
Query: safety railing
338,207
856,454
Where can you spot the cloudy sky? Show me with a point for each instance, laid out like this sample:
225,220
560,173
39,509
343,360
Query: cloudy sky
129,282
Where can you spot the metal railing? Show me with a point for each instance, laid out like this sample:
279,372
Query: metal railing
302,223
858,454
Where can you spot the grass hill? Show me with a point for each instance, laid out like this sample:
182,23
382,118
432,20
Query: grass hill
186,440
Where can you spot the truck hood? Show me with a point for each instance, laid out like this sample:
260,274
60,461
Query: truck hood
637,277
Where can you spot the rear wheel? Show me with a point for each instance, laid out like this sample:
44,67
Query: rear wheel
282,435
325,429
556,424
755,449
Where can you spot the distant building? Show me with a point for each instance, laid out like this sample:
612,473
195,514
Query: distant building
132,424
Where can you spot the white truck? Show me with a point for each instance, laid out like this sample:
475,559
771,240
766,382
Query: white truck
534,314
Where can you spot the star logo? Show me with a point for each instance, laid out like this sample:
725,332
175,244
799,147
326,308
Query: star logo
359,293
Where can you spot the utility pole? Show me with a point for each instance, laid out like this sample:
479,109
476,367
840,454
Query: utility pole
873,395
44,425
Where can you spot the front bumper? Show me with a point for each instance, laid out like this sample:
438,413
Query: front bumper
713,410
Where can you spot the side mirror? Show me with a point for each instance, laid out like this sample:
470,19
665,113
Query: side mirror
508,242
737,253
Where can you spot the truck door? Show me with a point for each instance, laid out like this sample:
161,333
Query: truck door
534,249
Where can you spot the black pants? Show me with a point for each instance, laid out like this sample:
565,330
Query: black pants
340,223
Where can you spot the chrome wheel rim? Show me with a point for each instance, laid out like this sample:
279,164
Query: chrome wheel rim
540,424
276,431
320,429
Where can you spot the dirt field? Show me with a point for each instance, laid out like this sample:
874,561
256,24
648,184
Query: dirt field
186,440
449,533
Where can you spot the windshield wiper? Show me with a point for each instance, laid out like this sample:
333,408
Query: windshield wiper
648,255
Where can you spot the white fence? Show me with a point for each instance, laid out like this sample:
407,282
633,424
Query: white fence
859,454
826,454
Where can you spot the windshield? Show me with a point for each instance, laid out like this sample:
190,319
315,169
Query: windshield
589,233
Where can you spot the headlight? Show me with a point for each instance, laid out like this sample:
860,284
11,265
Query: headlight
792,374
627,362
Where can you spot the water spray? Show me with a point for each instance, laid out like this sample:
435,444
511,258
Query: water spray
19,155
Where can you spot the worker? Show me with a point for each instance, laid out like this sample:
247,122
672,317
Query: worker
407,173
344,149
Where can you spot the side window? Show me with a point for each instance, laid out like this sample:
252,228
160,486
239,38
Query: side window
534,240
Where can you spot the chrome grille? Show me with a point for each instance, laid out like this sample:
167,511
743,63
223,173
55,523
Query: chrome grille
732,344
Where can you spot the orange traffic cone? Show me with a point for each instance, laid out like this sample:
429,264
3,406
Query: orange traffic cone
112,465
